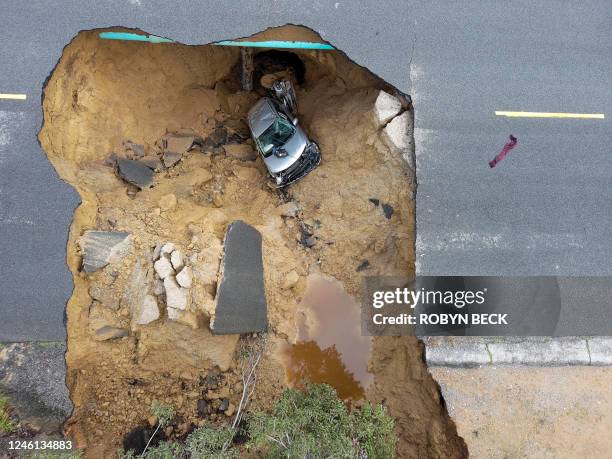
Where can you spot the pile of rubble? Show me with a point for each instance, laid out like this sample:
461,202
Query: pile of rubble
173,280
138,168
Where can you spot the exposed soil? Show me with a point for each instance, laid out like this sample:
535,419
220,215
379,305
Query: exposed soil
104,93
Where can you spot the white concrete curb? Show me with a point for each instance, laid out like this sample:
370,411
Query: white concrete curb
470,351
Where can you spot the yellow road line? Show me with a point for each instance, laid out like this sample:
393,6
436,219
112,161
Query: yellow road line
13,96
599,116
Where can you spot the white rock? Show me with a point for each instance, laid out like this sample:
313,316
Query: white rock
149,311
397,135
184,277
176,297
173,314
167,248
158,287
163,267
177,260
386,108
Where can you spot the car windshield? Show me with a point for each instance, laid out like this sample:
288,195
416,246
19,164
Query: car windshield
275,136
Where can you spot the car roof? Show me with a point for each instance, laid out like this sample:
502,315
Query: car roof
261,116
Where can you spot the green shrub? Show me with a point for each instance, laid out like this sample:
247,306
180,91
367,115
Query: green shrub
166,450
315,423
373,431
208,442
6,425
311,423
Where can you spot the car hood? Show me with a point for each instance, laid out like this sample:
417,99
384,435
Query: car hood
294,147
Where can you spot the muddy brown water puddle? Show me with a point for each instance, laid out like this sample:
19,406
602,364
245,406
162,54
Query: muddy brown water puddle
330,347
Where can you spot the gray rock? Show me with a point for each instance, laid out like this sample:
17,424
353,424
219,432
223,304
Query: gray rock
101,248
241,299
135,172
179,144
387,210
224,405
152,162
217,138
202,408
308,241
365,264
170,158
136,148
386,108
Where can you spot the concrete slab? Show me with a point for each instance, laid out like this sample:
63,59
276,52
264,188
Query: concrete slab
469,351
457,354
560,351
600,350
241,298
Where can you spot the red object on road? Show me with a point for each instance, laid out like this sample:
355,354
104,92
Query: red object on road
502,154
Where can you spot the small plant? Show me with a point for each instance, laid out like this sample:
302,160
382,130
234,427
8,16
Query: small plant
6,425
208,442
164,415
165,450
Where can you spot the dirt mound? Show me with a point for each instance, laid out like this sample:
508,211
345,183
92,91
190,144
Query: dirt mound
138,326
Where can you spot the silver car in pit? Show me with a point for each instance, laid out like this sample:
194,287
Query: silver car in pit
285,148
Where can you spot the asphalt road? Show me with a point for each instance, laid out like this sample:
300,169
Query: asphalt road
545,209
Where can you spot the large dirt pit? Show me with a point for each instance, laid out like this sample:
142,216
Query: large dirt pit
352,216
